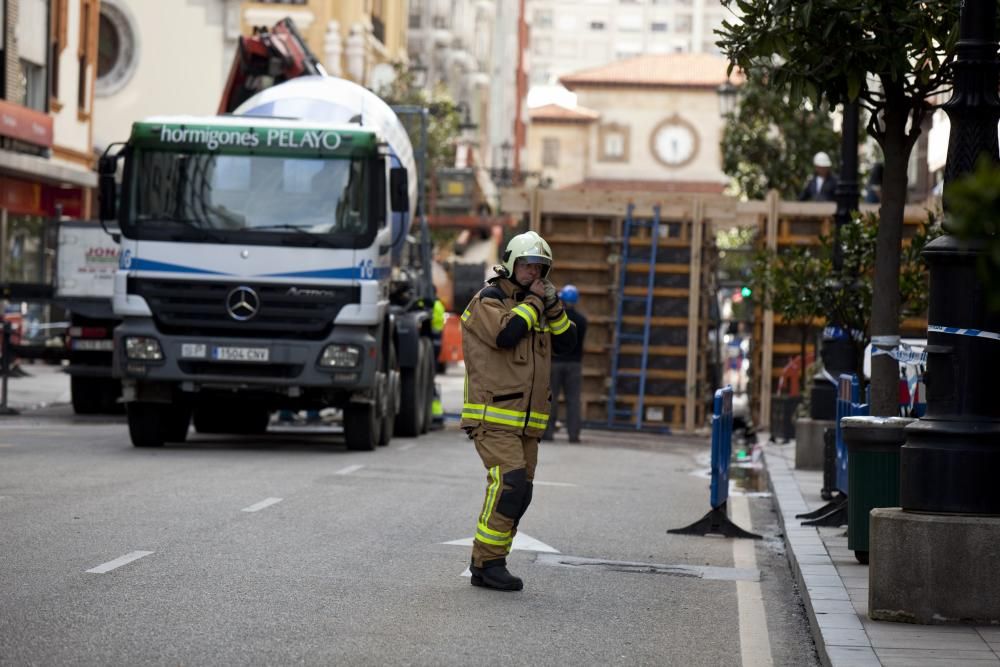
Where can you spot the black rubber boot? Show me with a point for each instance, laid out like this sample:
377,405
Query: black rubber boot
494,574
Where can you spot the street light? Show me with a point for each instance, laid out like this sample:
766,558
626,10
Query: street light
419,73
727,98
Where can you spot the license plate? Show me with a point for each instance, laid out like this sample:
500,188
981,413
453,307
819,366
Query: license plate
85,345
241,353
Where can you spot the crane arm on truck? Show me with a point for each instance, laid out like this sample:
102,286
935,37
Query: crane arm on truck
264,59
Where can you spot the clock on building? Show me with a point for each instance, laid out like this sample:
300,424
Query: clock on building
674,142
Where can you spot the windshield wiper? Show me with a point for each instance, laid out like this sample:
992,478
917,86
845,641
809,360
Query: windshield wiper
315,238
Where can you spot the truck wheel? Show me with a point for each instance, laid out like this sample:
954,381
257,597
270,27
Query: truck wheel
390,404
86,394
178,423
148,423
409,419
362,426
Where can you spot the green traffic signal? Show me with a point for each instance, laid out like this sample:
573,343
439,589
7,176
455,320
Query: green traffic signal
746,292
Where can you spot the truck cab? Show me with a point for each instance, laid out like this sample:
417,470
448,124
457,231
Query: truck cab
254,273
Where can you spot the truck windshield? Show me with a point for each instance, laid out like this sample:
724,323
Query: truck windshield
247,199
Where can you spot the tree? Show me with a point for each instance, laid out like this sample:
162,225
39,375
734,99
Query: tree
442,125
893,56
769,141
802,286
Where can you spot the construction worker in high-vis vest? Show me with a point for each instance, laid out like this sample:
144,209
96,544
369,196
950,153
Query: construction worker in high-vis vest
509,331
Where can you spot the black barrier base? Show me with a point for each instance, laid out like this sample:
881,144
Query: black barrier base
716,522
834,517
825,509
8,412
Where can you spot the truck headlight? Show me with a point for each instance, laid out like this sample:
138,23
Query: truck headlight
340,356
143,348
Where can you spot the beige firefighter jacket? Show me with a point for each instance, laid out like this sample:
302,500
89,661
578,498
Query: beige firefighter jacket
508,388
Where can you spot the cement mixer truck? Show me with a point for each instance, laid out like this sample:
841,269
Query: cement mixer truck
267,263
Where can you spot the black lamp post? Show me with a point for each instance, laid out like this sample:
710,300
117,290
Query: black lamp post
951,455
727,98
503,176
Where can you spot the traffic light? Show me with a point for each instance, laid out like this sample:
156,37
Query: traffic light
746,292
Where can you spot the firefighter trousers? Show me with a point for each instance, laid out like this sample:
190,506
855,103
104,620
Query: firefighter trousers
510,460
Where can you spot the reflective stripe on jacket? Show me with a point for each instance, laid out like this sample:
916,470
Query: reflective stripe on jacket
507,388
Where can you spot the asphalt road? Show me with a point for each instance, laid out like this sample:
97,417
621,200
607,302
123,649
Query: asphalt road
352,565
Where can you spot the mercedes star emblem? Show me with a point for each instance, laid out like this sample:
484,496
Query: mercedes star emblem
242,303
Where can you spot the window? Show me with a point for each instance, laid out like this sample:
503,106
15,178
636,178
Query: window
117,56
415,21
597,25
658,26
612,143
683,23
543,19
550,152
566,23
630,23
625,50
33,82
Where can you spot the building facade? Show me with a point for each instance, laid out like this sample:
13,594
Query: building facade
570,35
49,53
649,122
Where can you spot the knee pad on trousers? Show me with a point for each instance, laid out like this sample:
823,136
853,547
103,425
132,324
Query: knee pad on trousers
512,500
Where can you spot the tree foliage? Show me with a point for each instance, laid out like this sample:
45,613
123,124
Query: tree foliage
802,286
769,141
443,118
893,57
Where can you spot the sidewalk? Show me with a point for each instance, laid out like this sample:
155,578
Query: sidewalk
834,588
41,385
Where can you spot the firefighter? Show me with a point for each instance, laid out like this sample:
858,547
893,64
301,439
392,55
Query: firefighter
509,331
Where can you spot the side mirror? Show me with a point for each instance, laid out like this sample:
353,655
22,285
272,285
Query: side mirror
399,190
107,190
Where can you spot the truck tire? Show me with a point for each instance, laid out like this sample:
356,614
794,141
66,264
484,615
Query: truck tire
362,427
87,395
412,382
148,423
392,398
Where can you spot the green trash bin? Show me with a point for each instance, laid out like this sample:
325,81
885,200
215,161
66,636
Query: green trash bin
873,445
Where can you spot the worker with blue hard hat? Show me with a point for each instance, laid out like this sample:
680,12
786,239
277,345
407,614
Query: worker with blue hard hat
567,371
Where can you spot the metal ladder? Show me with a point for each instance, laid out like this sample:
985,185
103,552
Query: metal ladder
621,337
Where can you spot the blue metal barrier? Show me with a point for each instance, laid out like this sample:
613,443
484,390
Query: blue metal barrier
717,521
848,405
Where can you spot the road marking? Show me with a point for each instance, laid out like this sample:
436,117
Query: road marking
755,644
118,562
541,483
521,542
267,502
409,445
349,469
632,567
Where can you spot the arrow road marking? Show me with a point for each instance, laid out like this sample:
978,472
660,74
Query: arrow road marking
349,469
521,542
541,483
267,502
118,562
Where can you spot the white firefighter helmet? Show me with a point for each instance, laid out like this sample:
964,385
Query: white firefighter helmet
530,247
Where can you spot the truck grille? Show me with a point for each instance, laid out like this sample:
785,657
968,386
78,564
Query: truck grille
285,311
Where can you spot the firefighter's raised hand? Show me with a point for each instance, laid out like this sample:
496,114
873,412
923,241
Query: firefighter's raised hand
538,288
